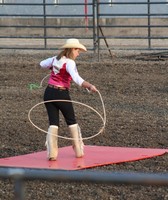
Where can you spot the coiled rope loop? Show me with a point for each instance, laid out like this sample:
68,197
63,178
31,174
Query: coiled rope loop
103,118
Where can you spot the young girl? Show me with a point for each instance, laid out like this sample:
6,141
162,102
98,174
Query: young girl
63,70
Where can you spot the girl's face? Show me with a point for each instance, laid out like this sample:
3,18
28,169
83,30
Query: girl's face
76,53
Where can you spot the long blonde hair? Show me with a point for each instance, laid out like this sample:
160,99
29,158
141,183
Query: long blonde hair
67,53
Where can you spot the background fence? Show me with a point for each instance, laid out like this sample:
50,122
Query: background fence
43,29
101,25
20,175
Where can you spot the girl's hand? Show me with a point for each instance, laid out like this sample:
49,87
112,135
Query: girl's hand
92,88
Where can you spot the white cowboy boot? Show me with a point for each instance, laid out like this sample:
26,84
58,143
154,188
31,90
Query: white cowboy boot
77,142
52,142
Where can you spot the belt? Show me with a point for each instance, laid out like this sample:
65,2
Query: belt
57,87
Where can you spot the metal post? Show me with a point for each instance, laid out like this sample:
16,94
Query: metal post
98,40
18,189
94,25
17,175
86,15
44,23
149,28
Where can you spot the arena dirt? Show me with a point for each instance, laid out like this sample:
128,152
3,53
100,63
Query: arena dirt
134,88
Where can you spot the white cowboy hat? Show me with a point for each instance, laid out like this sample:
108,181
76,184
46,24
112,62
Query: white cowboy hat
74,43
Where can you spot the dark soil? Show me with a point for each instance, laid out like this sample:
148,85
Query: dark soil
135,92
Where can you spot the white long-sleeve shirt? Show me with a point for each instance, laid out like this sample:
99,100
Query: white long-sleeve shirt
63,71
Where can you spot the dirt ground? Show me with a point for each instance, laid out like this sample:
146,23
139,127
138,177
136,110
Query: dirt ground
134,88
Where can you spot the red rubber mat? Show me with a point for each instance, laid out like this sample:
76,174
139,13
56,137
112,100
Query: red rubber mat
94,156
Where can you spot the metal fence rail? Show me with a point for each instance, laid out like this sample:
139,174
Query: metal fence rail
22,174
99,25
146,33
42,29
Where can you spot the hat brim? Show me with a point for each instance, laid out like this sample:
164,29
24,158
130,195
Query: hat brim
78,46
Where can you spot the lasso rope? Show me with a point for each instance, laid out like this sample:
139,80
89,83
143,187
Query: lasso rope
68,138
41,83
33,86
36,86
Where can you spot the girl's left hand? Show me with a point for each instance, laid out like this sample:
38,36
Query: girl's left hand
93,88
